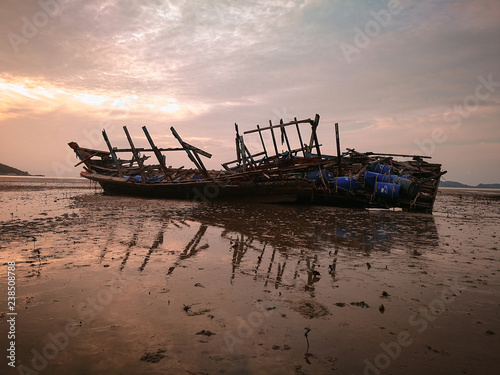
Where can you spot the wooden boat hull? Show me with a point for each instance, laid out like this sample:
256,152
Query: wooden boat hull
293,191
280,191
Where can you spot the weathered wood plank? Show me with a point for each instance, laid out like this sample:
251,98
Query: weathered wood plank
274,139
195,159
137,158
271,126
157,153
113,155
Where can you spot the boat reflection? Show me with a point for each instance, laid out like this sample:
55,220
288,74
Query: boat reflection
279,245
319,228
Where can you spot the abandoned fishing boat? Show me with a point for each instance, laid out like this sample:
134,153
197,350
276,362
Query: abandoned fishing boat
302,174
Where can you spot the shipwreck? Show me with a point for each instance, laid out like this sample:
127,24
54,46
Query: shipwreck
298,173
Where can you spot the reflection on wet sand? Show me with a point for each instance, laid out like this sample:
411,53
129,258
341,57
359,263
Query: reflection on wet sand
131,244
191,248
291,226
312,245
157,242
281,245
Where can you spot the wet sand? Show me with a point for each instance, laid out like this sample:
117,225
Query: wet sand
117,285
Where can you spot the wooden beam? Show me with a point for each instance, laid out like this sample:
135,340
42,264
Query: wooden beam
203,170
238,147
250,156
271,127
262,141
157,153
86,158
400,155
300,138
337,141
283,135
196,149
113,155
195,159
139,161
314,136
142,149
241,143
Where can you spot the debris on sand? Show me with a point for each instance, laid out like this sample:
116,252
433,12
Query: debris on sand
307,338
381,308
199,312
443,352
189,311
205,333
309,309
360,304
154,357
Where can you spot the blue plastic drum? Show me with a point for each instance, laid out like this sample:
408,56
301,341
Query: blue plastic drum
380,168
346,183
386,190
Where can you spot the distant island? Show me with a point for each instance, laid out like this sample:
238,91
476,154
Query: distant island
454,184
5,170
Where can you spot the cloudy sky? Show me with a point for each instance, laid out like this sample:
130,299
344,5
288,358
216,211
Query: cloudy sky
398,76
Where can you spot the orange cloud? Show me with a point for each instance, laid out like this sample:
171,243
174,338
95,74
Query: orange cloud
27,97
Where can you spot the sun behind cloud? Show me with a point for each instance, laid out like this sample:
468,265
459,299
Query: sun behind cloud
28,97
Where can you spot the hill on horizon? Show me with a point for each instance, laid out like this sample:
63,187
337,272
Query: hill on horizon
11,171
454,184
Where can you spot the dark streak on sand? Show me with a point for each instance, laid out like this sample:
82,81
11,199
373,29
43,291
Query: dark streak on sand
154,357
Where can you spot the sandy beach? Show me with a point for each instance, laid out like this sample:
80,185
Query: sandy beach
119,285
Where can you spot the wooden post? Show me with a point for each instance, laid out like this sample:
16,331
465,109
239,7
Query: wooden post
249,154
263,144
274,139
195,159
283,134
157,152
113,154
238,148
314,136
203,170
300,137
136,155
337,140
242,152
